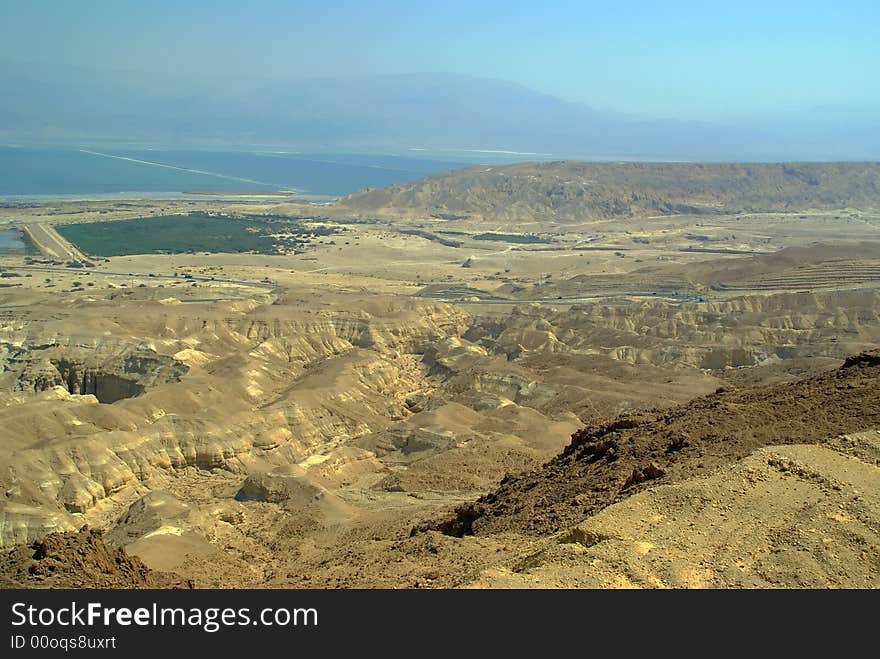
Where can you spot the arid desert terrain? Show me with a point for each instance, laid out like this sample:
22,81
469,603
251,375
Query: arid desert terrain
543,375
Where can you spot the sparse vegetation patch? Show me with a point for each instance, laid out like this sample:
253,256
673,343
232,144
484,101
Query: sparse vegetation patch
523,238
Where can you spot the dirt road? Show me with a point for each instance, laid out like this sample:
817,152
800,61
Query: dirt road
51,244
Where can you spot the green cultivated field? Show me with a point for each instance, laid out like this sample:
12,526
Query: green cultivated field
195,232
523,238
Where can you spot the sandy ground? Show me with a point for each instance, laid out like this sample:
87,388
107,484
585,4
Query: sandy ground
334,401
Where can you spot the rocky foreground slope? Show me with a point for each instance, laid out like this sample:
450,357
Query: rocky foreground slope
611,460
795,516
79,560
767,486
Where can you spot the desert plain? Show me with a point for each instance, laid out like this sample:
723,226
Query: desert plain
551,375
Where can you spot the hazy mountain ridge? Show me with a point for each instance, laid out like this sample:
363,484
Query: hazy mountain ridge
576,191
430,110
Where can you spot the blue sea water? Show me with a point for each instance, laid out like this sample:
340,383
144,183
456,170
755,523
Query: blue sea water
47,172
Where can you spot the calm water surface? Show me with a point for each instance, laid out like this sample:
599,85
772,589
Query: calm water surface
10,241
60,173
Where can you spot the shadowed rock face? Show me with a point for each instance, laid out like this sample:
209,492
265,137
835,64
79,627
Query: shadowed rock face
91,371
106,387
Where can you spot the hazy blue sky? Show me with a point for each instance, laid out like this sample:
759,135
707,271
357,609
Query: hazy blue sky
702,59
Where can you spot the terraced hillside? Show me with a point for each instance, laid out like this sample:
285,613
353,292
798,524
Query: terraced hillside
817,267
812,276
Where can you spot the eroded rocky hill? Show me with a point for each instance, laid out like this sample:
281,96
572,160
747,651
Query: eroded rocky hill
573,191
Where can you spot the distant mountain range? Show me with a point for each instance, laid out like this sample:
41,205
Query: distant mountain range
432,111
